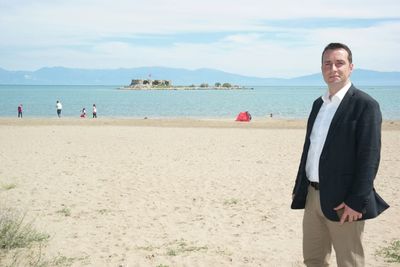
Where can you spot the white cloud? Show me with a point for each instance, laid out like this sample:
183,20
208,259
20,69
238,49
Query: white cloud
98,34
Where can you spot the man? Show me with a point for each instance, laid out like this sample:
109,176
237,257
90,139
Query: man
94,113
338,165
59,108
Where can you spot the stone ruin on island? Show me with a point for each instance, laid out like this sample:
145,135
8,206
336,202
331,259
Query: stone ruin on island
147,83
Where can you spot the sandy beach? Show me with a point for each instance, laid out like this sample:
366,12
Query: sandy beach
172,192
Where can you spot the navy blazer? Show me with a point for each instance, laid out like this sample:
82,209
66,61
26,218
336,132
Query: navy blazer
349,160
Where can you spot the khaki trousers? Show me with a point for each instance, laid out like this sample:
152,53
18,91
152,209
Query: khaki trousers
320,234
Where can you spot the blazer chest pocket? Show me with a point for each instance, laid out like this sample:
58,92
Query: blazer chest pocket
347,126
344,134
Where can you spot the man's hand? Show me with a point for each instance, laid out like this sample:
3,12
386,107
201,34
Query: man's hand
348,213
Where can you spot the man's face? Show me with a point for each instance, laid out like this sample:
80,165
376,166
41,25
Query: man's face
336,68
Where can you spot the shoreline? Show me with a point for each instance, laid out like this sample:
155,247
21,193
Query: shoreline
199,88
268,123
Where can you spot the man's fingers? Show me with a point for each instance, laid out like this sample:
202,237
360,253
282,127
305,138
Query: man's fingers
343,218
341,206
349,217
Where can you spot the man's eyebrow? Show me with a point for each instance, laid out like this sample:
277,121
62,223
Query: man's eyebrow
337,60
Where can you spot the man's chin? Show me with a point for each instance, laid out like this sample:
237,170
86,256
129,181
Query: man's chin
335,81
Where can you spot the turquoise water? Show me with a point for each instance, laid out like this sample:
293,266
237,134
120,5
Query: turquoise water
283,102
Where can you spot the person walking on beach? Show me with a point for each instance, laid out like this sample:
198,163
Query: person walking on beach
59,108
94,111
341,154
20,111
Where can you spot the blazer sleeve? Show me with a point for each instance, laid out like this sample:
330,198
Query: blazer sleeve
368,147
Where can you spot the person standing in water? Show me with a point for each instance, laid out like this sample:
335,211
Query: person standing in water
94,111
20,111
59,108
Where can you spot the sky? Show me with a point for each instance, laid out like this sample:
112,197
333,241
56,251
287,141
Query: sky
260,38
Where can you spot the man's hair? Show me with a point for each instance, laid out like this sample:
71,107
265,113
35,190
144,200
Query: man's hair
334,46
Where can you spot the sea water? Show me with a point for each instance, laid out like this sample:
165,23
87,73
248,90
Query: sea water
280,101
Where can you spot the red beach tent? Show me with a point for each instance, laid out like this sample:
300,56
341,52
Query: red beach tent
243,116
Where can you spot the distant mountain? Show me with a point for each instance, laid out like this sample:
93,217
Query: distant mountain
358,77
123,76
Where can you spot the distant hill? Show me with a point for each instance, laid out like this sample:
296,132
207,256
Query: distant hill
123,76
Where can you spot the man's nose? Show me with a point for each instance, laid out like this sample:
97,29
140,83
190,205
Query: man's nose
332,67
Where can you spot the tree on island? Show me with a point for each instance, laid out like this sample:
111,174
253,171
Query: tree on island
227,85
217,84
203,85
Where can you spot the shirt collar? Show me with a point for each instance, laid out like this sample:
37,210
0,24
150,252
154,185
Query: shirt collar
338,97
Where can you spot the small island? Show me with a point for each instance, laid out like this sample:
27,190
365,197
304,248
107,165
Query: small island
148,84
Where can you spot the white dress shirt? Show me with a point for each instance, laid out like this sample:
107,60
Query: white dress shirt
320,131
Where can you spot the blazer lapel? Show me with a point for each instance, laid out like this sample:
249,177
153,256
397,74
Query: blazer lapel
313,115
337,118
